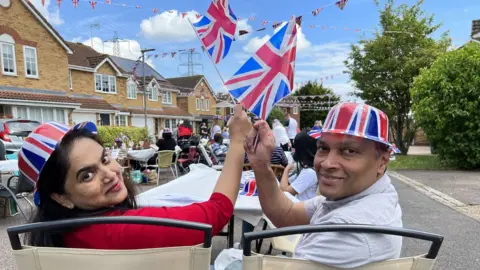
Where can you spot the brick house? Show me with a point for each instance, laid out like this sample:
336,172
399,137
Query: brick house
34,79
109,80
197,98
290,105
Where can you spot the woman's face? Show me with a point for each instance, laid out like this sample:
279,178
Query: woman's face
94,179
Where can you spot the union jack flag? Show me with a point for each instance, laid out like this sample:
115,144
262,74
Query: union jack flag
315,134
341,4
216,29
267,77
250,188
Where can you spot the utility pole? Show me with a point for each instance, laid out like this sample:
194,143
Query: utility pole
96,26
144,85
190,63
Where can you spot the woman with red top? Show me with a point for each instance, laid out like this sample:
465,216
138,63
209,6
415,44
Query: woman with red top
185,130
75,177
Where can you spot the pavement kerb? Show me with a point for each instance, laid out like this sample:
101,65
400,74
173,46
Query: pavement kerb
434,194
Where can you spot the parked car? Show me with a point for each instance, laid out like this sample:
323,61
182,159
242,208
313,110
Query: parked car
12,134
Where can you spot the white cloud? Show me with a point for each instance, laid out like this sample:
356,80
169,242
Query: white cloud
77,39
343,90
169,26
51,13
130,49
255,43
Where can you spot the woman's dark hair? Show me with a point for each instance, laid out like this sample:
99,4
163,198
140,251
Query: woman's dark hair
305,149
218,138
167,136
187,124
52,180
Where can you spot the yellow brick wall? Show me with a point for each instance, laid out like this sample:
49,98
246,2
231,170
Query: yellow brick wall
51,56
198,93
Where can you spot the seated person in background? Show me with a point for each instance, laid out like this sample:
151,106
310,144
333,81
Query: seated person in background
350,162
218,148
122,154
77,178
303,184
185,130
167,142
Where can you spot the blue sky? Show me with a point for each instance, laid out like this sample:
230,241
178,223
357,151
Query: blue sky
320,52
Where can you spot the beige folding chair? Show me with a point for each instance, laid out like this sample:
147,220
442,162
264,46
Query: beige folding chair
164,161
205,155
284,243
47,258
264,262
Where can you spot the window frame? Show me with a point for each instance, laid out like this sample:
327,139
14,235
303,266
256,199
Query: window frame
15,71
165,99
109,83
150,90
207,105
202,104
56,113
25,48
70,78
129,84
198,105
118,122
295,110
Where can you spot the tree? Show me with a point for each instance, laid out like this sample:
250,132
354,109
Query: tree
446,105
383,68
276,113
310,114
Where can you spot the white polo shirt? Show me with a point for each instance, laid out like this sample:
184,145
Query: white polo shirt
377,205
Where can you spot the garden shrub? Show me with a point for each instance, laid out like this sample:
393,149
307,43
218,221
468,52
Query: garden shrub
108,134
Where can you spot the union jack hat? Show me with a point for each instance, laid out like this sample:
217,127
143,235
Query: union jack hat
359,120
39,146
315,134
250,188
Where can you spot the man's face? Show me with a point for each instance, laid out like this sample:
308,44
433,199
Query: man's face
347,165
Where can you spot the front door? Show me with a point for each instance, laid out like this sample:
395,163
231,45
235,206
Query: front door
104,119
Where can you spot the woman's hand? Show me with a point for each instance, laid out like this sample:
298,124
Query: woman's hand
239,125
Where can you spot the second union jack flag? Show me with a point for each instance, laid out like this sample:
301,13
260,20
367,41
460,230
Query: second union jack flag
216,29
267,77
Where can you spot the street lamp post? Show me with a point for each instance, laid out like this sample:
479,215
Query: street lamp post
144,85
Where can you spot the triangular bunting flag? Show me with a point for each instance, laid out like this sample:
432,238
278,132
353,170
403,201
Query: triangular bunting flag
341,4
93,4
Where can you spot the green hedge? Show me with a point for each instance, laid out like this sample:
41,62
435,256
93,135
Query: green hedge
108,134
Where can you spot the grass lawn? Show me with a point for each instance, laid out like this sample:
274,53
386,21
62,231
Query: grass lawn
412,162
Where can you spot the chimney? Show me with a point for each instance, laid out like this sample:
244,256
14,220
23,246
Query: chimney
475,30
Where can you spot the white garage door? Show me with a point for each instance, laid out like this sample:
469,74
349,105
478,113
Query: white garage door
139,121
82,117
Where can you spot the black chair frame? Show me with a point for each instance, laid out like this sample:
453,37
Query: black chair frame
432,253
13,232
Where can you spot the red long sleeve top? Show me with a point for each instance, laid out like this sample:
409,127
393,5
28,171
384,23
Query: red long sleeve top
216,211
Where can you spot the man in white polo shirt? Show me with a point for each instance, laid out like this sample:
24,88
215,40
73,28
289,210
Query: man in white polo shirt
352,155
291,126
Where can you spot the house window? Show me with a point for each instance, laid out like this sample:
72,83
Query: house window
231,110
105,83
132,90
152,93
121,120
31,65
295,110
167,98
202,105
8,59
40,114
198,104
170,123
104,119
207,105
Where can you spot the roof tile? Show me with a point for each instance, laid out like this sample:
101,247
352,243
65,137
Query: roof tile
94,103
35,97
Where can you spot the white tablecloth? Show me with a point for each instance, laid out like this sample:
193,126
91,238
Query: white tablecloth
197,186
141,155
8,166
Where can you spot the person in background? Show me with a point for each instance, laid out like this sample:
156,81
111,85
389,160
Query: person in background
280,133
185,130
75,177
317,126
175,131
218,148
291,126
204,131
216,129
350,163
225,133
303,184
278,157
167,142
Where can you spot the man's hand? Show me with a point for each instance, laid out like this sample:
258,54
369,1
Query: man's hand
260,156
290,167
239,125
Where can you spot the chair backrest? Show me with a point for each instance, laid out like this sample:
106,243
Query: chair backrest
217,161
192,152
164,159
205,155
43,258
260,262
23,185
